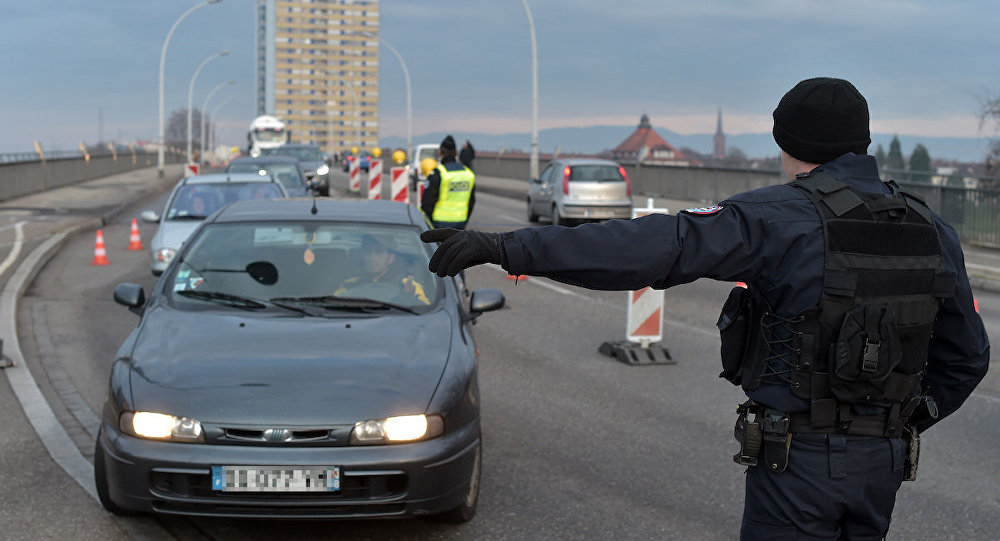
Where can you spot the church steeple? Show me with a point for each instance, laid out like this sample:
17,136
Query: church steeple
644,122
719,141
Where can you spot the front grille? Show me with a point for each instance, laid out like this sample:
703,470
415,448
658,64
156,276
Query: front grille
377,486
333,436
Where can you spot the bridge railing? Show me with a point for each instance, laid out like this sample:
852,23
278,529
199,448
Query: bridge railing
23,173
973,212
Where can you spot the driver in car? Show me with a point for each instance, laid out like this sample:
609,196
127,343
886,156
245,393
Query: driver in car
379,266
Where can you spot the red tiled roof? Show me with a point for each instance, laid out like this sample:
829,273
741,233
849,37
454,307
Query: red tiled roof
644,137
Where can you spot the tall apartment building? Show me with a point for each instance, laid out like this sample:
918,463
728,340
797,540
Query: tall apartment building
317,70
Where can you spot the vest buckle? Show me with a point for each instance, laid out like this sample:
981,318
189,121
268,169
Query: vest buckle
870,361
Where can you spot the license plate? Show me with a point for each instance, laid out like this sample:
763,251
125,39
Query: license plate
275,479
598,213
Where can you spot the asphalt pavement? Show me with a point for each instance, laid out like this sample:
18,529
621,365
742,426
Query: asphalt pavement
38,495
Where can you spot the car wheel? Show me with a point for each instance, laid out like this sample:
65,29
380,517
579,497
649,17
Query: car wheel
101,482
465,512
557,219
532,217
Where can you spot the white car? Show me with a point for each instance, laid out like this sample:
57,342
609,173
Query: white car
417,155
195,198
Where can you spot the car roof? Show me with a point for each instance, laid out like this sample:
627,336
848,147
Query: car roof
327,209
585,161
222,178
270,158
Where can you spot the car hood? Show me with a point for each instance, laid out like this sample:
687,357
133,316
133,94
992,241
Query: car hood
173,233
311,167
221,368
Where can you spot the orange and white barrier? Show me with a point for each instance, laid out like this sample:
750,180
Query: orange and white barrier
354,185
191,170
644,322
399,187
375,180
420,193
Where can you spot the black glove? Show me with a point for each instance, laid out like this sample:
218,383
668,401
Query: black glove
461,249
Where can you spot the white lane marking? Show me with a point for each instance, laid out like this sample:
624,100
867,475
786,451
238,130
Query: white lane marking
54,437
558,289
15,249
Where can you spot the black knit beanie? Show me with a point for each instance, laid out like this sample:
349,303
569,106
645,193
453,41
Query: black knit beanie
821,119
448,143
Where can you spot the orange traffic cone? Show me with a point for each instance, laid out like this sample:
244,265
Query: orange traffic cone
100,255
134,241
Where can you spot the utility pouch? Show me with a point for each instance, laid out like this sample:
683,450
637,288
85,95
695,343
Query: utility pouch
866,351
776,429
749,436
734,329
912,442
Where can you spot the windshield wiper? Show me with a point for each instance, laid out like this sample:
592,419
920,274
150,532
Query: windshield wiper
188,217
234,300
333,302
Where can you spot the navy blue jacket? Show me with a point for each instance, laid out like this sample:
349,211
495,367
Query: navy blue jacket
771,238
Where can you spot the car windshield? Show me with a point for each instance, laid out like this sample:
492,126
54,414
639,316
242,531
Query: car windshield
197,201
308,154
426,152
595,172
286,173
269,135
322,269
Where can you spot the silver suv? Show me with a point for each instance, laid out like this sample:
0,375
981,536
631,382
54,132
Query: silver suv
580,189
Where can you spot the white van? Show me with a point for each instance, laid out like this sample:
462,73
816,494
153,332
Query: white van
417,155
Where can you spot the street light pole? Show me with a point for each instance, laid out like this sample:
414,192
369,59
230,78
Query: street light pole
219,106
163,60
534,93
191,98
409,101
204,116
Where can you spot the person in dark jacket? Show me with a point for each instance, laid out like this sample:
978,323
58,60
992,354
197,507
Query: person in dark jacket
450,195
823,463
467,154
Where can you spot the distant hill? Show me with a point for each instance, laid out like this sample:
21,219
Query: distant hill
594,139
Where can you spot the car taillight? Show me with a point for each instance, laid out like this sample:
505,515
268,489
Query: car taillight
628,184
566,181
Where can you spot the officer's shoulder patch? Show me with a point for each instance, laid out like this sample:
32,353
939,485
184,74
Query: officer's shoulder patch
704,211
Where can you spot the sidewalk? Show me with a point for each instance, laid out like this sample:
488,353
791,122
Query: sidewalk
982,263
40,500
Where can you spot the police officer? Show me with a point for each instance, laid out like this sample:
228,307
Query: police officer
451,190
857,330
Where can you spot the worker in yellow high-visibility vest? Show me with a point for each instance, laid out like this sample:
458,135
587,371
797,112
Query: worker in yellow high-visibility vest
451,190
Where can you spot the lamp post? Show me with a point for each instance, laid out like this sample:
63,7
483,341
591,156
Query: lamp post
204,116
163,60
534,92
219,106
406,76
191,98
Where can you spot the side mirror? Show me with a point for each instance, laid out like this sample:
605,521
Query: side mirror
310,176
484,300
150,216
535,181
132,296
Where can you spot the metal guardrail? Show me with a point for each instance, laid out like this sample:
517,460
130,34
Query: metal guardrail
32,156
974,213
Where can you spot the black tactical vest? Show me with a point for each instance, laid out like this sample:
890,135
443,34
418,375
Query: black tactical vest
859,355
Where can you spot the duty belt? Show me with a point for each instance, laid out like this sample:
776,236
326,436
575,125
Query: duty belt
770,429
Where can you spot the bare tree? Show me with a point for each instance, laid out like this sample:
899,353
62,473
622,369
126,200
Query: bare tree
989,121
176,130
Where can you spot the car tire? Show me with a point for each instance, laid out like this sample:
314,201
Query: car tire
532,217
101,482
465,512
557,219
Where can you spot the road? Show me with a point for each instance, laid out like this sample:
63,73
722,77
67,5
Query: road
577,445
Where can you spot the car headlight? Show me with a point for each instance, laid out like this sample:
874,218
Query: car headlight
159,426
323,169
406,428
164,255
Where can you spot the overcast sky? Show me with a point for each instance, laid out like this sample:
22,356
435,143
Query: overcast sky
923,64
